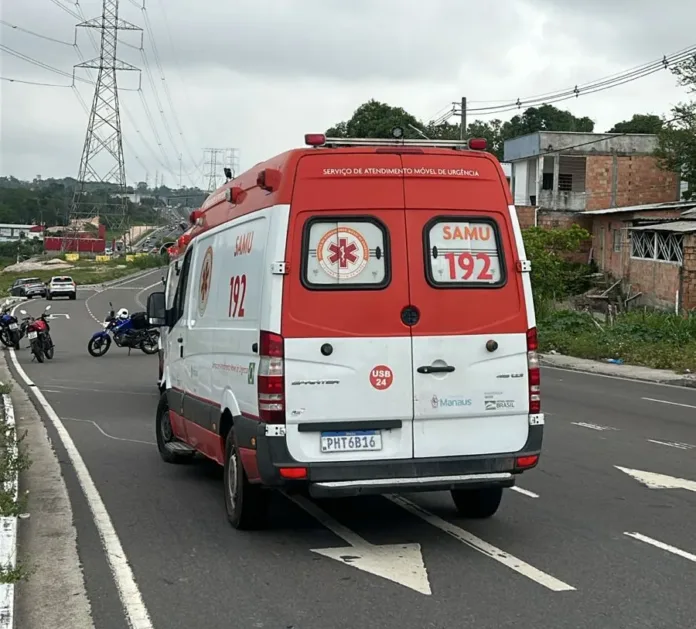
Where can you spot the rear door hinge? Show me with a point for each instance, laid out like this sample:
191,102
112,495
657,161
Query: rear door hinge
279,268
524,266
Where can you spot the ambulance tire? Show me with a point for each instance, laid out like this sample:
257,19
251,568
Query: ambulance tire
246,504
477,503
163,433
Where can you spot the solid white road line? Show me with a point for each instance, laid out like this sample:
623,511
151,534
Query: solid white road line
487,549
106,434
662,546
525,492
649,399
137,296
128,591
8,532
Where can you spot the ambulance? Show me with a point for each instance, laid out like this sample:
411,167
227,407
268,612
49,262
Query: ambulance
354,317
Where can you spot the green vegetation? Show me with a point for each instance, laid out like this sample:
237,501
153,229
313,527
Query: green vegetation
12,462
652,339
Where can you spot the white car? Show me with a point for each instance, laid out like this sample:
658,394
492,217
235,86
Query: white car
61,286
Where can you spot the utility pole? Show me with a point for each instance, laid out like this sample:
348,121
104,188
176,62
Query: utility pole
462,130
102,169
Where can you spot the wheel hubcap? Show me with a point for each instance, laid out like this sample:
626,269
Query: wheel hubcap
166,428
232,479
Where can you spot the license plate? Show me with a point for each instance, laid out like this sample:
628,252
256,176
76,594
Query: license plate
32,335
14,326
351,441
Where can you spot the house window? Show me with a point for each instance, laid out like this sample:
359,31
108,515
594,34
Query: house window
618,240
565,182
659,246
547,181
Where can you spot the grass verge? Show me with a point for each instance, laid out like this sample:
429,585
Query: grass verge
13,460
87,272
650,339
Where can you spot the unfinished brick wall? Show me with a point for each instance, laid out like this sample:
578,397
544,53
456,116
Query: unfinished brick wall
549,219
639,181
525,215
658,281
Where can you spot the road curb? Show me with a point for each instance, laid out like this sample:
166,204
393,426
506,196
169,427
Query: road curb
8,530
627,372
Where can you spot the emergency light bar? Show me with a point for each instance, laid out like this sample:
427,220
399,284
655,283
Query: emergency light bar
320,140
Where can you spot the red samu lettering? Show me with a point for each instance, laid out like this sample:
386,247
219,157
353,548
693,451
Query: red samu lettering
244,244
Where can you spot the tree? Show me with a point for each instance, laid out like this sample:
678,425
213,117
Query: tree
677,138
375,120
545,118
639,123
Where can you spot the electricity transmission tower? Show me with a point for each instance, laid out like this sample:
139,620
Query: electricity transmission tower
101,181
216,160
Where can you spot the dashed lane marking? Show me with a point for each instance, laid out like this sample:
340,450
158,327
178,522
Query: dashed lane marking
525,492
650,399
662,546
673,444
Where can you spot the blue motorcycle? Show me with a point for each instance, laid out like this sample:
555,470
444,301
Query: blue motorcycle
9,329
131,332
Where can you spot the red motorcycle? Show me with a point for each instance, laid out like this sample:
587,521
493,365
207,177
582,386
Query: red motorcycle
39,335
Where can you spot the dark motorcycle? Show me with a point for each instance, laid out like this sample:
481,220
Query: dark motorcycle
39,335
9,329
132,332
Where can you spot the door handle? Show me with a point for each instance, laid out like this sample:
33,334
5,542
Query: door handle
180,339
429,369
255,347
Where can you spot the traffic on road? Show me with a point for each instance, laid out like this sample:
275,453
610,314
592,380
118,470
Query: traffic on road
375,473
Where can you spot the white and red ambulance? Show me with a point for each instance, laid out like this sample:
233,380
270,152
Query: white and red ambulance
355,317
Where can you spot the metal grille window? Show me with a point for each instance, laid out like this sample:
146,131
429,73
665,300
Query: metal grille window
655,245
565,182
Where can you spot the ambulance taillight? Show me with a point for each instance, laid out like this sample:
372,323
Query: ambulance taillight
271,378
534,372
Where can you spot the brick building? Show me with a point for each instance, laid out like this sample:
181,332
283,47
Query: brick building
559,176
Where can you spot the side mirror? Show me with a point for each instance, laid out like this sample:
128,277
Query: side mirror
164,281
157,309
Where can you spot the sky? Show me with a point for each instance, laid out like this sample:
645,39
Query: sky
256,75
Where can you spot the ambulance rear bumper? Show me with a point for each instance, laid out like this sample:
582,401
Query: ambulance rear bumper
267,461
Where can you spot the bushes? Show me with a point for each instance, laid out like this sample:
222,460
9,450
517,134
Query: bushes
652,339
553,275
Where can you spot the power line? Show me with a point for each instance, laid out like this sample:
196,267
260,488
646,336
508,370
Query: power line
11,80
25,30
592,87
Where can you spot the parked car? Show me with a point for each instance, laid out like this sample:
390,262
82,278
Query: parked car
61,286
28,287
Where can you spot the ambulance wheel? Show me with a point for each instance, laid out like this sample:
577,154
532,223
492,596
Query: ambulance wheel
246,504
165,436
477,503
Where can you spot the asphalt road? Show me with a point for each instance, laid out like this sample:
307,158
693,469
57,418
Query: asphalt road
557,555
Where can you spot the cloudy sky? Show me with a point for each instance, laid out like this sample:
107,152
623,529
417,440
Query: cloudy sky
258,74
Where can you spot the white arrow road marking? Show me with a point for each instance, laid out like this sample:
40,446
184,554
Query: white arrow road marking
662,546
592,426
400,563
650,399
659,481
476,543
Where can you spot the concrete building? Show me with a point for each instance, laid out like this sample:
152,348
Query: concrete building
558,175
10,232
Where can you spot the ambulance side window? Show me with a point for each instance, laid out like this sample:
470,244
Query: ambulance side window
345,253
179,304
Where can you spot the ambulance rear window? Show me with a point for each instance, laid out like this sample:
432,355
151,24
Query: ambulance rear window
463,252
345,253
